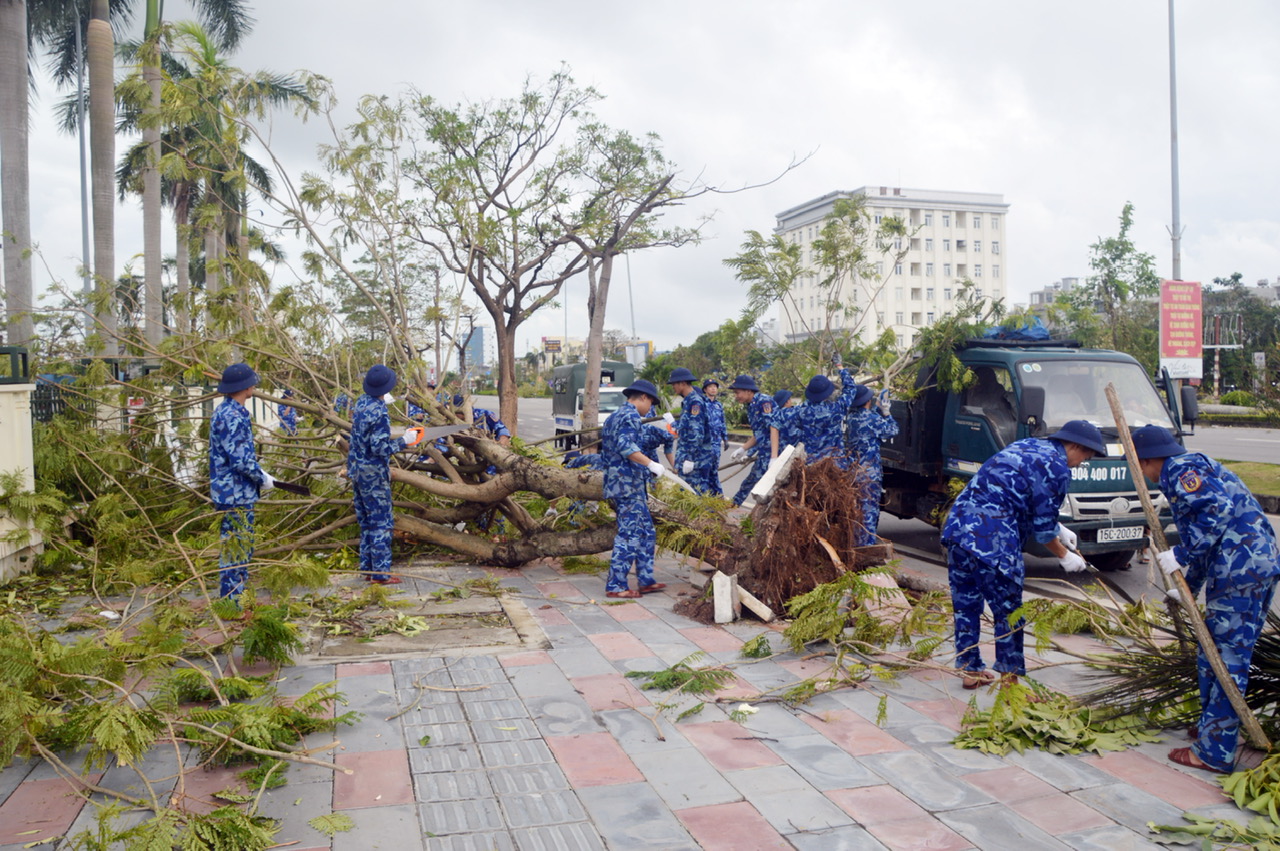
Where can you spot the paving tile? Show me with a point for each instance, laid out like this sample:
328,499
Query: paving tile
578,836
378,779
495,710
1059,813
765,675
533,657
945,711
637,732
431,735
301,679
293,805
545,807
13,774
655,632
1113,838
712,640
481,693
729,746
631,815
997,828
629,613
593,759
609,691
502,754
357,669
848,838
854,733
539,681
46,807
1129,806
561,590
383,828
445,758
436,713
591,621
684,778
563,716
775,721
784,798
464,677
806,668
1010,785
915,776
506,730
549,615
194,793
440,818
1067,773
918,834
526,779
619,645
875,804
452,785
582,662
731,827
822,763
1160,779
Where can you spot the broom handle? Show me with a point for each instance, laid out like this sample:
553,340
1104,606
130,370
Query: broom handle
1252,729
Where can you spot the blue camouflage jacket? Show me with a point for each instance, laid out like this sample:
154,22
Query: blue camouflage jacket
234,475
719,430
288,418
371,443
1016,495
759,416
820,427
1225,534
489,422
694,432
865,430
653,436
589,460
619,438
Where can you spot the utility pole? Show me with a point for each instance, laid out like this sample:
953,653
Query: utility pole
1175,232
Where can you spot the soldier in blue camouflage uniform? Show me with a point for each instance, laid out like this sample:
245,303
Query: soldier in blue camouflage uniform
1229,547
697,457
654,437
487,421
288,415
759,414
236,480
369,466
626,474
865,429
1016,495
819,422
718,430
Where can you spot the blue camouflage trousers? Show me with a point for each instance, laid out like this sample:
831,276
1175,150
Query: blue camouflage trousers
705,477
1235,618
236,551
372,498
635,543
973,583
757,471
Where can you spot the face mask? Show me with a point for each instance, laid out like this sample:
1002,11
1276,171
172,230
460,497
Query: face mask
389,399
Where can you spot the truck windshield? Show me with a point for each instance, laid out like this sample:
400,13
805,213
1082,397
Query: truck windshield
611,400
1076,390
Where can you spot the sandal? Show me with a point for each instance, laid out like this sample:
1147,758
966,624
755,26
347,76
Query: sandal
1184,757
390,580
977,679
626,595
652,589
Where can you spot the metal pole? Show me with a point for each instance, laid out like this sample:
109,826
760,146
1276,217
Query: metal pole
631,297
84,177
1176,231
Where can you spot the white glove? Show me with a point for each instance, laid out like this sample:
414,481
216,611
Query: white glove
1069,539
884,401
389,399
686,467
1172,594
1073,563
668,419
654,467
739,454
268,481
1168,562
836,360
413,436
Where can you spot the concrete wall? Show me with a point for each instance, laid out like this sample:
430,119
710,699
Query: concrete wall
17,455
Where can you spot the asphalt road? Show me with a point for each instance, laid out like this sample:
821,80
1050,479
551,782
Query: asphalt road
1237,444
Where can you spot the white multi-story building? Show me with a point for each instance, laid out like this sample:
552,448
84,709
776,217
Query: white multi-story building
951,237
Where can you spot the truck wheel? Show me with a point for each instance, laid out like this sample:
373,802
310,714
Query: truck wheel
1108,562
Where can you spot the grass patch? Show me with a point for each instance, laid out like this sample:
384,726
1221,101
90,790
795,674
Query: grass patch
1258,477
593,565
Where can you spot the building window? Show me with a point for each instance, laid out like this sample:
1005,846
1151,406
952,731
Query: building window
995,270
928,244
877,218
928,220
915,269
928,270
897,244
915,293
915,244
928,294
946,220
995,223
897,293
946,270
899,336
915,319
946,294
995,247
897,268
977,221
879,267
897,317
959,220
946,245
977,245
977,270
929,317
979,292
960,245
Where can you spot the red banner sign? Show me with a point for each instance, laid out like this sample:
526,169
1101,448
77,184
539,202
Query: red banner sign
1181,333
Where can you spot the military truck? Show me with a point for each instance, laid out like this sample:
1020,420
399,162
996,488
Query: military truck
1029,389
568,388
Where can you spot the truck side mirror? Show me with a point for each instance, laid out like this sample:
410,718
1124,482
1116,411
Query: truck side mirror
1190,405
1031,407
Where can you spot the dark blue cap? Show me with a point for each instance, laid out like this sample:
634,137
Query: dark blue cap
862,396
1084,433
782,397
642,386
819,390
380,380
1152,441
237,377
709,382
681,374
745,382
458,400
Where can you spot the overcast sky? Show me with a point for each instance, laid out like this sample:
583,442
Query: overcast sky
1063,108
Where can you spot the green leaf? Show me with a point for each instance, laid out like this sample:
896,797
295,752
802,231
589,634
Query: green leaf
332,823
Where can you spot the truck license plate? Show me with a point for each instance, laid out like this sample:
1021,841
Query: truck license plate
1124,533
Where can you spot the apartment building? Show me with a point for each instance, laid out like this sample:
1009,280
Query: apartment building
950,237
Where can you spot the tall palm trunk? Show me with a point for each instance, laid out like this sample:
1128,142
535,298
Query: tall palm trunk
151,214
15,203
182,310
102,163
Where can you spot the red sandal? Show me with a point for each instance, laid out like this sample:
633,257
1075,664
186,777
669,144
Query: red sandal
652,589
1185,757
626,595
977,679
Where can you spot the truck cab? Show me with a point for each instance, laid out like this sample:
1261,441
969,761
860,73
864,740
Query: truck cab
568,386
1026,389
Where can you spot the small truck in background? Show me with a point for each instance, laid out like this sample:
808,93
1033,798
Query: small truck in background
1029,389
568,387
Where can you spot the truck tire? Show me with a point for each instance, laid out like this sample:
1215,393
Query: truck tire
1112,561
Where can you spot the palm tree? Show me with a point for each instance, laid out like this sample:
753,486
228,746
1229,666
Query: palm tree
15,196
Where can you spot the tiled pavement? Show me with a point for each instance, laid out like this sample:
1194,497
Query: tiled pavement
557,749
